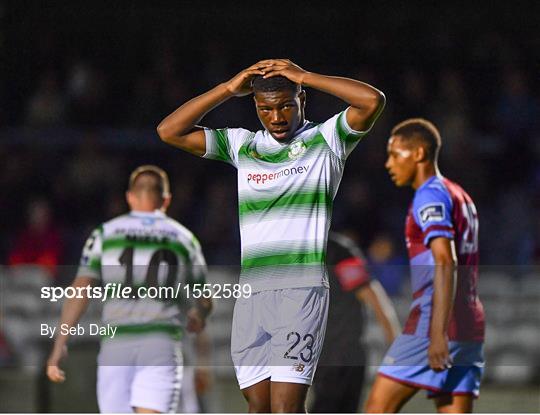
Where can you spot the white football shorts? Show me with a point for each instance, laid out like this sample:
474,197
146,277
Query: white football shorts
278,334
143,371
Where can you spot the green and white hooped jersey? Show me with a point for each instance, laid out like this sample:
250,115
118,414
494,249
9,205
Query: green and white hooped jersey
143,249
285,193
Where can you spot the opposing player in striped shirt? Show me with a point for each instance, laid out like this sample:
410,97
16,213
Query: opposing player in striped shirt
288,176
140,368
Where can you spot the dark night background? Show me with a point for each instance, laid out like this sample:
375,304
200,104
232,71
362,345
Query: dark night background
86,83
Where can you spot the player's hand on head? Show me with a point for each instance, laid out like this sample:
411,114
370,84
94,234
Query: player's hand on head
286,68
438,354
240,85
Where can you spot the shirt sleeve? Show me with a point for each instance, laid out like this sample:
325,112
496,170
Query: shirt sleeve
90,263
341,138
224,144
432,210
352,273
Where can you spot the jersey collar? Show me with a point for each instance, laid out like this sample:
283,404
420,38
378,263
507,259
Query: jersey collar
299,131
429,181
155,214
302,128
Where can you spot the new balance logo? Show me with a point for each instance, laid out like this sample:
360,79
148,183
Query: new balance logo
298,367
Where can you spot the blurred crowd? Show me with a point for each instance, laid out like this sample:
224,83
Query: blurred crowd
80,107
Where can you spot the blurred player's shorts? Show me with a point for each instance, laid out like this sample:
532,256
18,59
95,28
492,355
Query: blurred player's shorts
407,362
143,371
278,334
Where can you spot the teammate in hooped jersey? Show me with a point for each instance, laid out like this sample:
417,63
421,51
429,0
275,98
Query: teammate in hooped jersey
140,369
440,349
288,175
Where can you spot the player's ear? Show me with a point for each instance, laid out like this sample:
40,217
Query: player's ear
420,154
302,97
166,203
129,198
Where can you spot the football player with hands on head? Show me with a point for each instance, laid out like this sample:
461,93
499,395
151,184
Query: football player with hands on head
288,175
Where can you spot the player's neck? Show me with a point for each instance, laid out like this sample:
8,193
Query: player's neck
144,207
425,173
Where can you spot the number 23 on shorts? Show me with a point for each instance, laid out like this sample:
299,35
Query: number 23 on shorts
302,347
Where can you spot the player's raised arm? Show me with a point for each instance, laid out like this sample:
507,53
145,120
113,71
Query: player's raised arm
180,128
366,102
72,310
444,283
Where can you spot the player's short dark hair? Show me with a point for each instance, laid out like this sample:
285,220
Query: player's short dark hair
274,84
160,186
423,131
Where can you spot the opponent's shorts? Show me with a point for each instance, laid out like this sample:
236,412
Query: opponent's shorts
407,362
143,371
279,334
